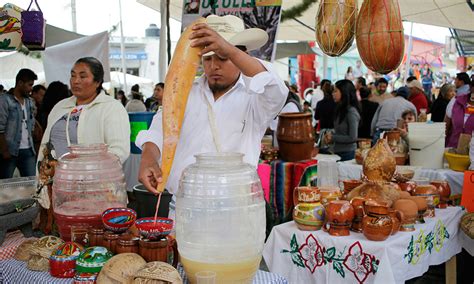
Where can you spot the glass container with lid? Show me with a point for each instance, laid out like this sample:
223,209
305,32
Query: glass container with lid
87,181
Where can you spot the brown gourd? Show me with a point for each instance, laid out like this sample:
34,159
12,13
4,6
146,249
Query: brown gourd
335,26
379,165
178,83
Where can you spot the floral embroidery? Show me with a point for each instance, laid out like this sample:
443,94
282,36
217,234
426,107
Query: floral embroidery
434,239
312,255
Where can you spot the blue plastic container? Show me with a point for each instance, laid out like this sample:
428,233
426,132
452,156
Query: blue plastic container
138,121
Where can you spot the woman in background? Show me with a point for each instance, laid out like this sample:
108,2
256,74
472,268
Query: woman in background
346,120
438,108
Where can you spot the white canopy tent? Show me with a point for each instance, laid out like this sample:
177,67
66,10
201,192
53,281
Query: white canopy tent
445,13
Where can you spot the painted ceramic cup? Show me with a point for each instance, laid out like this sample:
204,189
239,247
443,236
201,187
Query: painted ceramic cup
309,216
306,194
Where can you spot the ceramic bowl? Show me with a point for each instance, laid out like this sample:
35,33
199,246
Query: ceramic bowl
118,220
457,162
151,230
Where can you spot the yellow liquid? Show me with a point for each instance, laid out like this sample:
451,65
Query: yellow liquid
237,272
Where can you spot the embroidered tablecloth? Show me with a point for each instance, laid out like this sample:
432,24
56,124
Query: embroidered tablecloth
13,271
317,257
351,170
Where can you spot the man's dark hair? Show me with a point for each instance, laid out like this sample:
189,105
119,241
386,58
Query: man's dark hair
306,103
364,92
1,88
361,81
161,85
38,87
25,75
382,80
463,77
411,78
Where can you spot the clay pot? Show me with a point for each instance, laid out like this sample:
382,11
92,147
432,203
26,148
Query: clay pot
365,143
422,205
305,194
397,217
309,216
380,22
393,137
379,165
335,26
400,159
350,184
358,205
410,213
408,186
444,192
295,136
404,195
329,193
431,194
339,215
377,225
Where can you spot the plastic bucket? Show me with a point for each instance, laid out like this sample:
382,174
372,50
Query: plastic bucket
146,202
426,143
138,121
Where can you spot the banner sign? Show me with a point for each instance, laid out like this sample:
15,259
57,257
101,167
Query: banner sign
263,14
467,199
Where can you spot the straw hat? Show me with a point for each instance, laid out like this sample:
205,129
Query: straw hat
232,29
156,271
41,251
121,268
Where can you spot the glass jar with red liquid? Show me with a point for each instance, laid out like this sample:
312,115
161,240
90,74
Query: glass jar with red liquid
87,181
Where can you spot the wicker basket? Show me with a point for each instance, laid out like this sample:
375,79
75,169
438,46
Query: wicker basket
467,224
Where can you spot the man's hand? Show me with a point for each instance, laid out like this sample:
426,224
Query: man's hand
205,37
150,173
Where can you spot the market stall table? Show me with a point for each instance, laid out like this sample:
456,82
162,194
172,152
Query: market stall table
14,271
352,170
317,257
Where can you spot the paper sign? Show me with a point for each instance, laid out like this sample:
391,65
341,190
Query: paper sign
467,199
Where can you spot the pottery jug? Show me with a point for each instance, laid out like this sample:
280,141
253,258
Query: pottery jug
397,217
444,192
295,136
377,225
431,194
309,216
410,213
358,204
305,194
339,215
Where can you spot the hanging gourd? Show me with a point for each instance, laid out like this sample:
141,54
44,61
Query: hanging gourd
379,35
335,25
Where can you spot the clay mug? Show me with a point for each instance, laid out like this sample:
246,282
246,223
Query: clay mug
305,194
309,216
444,192
358,204
410,213
397,218
159,250
431,194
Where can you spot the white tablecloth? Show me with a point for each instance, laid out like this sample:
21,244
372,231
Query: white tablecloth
351,170
13,272
317,257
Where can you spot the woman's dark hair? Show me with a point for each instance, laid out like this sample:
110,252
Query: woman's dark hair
123,99
364,92
349,69
348,98
96,68
55,92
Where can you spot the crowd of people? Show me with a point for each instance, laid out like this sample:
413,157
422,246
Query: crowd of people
352,108
34,119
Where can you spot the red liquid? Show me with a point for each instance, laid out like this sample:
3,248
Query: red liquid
65,222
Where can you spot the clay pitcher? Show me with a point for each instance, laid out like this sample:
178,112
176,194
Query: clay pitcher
379,35
444,192
305,194
377,225
358,204
295,136
397,217
431,194
339,215
335,26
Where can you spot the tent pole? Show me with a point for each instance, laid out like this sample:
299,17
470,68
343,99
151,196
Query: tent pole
162,56
410,48
122,51
73,16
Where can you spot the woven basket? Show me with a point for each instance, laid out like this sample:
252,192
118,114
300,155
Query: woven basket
157,271
467,224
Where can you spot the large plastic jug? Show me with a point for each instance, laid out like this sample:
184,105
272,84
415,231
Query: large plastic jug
87,181
220,218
